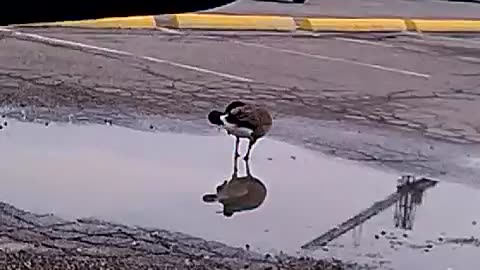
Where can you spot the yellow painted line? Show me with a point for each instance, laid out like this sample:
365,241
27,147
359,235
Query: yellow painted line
352,25
114,22
231,22
432,25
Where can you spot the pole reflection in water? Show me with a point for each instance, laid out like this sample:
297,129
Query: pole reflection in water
408,195
238,194
406,206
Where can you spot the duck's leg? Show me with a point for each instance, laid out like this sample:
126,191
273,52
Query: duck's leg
237,142
250,145
235,168
247,165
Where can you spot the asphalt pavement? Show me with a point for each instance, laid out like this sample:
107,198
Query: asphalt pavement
357,8
404,102
418,85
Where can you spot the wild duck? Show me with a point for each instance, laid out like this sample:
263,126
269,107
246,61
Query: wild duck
243,120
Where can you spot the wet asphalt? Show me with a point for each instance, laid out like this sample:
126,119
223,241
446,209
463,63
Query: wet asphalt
407,103
284,197
394,103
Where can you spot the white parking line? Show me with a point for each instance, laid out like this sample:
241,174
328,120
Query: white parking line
367,42
335,59
383,44
470,59
73,44
462,40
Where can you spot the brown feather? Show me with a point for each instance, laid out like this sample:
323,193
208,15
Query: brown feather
254,116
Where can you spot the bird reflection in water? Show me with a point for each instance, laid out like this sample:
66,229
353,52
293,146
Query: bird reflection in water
238,194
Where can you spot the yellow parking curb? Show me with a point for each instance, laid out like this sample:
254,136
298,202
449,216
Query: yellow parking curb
431,25
114,22
352,25
199,21
231,22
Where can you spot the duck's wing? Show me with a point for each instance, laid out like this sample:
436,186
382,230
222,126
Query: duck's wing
245,116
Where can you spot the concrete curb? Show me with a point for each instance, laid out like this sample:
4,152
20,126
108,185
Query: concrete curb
435,25
202,21
352,25
231,22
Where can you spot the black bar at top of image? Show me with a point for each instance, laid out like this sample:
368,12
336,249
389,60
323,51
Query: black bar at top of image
35,11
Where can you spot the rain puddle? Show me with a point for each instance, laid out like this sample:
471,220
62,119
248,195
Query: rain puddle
289,197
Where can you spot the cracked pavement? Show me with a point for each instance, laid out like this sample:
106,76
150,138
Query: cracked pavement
43,241
406,103
335,79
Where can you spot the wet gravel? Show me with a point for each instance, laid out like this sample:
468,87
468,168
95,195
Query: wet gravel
34,241
31,260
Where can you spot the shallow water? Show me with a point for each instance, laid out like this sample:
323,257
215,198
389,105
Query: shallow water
159,179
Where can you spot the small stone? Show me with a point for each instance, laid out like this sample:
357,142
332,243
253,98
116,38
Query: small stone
188,262
383,232
151,126
440,239
5,123
474,223
46,124
377,236
247,247
1,127
270,158
429,246
405,235
293,157
325,248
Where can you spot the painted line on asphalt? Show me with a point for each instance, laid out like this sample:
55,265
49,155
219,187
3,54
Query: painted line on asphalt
385,45
470,59
336,59
73,44
461,40
366,42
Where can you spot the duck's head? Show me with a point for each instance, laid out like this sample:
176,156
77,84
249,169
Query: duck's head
214,118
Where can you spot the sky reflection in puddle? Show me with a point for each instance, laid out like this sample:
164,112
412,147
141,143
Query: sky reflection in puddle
161,179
